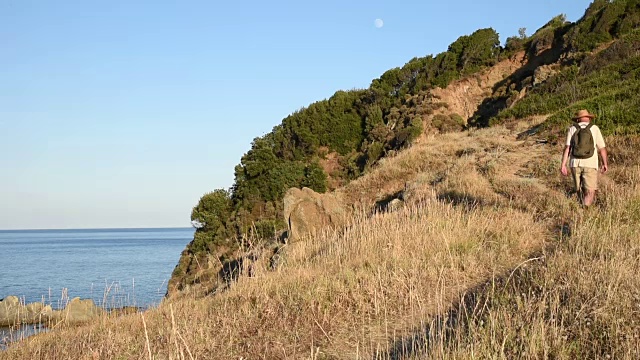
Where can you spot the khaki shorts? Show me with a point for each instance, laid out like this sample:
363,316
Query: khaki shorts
585,178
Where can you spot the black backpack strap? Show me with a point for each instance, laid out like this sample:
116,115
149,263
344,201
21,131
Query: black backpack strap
588,127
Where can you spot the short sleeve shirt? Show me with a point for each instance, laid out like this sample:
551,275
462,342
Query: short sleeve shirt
598,142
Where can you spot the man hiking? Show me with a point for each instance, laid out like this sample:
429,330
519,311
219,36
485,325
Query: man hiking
584,142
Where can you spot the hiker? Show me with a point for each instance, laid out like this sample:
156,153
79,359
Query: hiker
583,139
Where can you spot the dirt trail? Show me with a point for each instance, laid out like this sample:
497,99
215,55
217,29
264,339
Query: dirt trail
481,167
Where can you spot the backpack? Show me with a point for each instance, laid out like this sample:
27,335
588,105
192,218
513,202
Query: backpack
582,146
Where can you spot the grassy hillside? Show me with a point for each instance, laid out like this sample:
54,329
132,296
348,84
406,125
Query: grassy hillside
606,82
488,258
489,255
562,67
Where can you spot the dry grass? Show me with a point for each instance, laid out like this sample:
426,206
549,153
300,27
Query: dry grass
489,258
582,300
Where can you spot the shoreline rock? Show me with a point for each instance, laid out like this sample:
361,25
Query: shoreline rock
13,312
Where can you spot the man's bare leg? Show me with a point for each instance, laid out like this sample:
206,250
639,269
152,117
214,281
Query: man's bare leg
589,197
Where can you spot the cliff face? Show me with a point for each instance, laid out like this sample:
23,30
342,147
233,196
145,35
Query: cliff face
463,97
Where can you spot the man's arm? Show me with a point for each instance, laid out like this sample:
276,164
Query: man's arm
565,159
605,161
602,149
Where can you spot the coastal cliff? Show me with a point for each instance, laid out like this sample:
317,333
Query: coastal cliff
477,82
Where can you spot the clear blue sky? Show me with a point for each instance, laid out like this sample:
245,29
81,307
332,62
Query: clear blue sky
123,113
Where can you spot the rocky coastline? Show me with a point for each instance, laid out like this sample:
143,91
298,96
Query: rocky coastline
14,312
22,320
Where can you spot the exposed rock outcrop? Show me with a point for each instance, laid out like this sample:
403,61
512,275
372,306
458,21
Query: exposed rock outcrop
14,312
542,73
307,211
78,311
465,95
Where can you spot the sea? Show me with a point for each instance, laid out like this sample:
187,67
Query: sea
113,267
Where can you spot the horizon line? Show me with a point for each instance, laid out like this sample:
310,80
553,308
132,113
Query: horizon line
101,228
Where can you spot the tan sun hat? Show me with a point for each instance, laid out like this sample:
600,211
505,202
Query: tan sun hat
583,113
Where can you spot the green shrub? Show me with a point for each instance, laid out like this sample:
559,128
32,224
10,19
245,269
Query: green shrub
374,152
212,211
315,178
448,123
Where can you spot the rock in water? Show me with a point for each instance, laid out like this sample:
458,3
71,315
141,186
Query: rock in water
13,312
9,311
78,311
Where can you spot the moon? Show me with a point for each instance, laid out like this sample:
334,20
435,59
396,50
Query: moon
378,23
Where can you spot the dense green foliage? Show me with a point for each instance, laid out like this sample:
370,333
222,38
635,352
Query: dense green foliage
607,84
468,54
603,21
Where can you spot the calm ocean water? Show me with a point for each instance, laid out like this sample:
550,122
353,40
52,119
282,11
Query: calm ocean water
114,267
